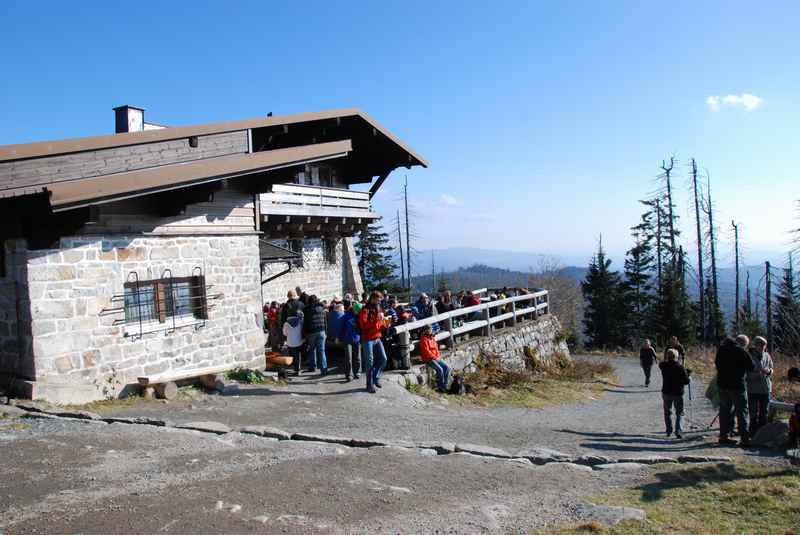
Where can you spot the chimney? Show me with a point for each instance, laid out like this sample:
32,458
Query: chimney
128,119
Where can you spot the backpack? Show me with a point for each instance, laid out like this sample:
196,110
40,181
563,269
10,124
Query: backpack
457,386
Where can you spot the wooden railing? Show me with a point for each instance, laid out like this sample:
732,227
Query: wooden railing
293,199
477,318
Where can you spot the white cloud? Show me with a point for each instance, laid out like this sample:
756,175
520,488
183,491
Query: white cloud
449,200
745,101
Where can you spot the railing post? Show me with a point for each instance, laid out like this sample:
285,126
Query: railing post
514,313
447,325
404,350
547,303
486,316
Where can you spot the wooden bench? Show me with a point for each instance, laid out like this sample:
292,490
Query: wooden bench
165,384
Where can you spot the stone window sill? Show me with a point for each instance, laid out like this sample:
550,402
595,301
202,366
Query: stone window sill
188,320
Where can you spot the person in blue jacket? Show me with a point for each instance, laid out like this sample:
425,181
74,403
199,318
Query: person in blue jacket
349,336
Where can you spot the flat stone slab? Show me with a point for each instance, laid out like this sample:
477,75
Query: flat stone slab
442,448
206,427
539,455
592,460
484,451
622,467
267,432
396,444
572,466
703,459
521,460
609,514
34,406
650,459
135,420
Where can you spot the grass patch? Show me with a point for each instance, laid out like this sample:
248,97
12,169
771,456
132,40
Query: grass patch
491,384
246,376
707,500
15,426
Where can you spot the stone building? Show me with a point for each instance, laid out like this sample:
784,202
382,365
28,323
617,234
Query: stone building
148,254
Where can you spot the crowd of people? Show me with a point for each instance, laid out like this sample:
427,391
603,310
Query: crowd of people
744,381
360,328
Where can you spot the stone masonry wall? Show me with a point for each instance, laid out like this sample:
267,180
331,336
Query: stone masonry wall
78,337
317,276
15,339
543,335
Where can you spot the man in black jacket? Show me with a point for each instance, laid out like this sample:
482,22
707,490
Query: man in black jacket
674,378
647,357
733,362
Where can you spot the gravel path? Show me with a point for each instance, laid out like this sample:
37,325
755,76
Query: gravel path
626,420
73,476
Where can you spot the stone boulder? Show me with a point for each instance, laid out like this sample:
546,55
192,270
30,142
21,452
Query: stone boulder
772,435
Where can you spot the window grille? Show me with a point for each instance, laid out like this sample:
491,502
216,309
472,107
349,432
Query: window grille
329,250
165,299
296,246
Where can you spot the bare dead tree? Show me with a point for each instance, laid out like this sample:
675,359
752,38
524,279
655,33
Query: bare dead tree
400,247
708,210
670,206
700,272
736,262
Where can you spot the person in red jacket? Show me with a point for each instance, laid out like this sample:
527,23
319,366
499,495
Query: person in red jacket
429,352
373,354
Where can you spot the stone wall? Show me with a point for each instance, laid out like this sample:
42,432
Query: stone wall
317,276
81,348
542,335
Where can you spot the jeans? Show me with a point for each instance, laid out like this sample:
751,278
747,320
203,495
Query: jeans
352,359
732,402
316,351
759,408
669,402
647,368
442,372
373,358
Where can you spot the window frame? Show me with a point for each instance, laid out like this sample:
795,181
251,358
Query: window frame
164,306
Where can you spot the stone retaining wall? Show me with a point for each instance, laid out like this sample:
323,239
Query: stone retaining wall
542,336
81,349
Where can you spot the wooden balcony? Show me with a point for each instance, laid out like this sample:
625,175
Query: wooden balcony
292,210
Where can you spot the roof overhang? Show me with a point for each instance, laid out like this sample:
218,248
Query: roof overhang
109,188
52,148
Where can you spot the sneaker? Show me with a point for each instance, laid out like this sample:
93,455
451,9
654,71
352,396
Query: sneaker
356,377
372,391
346,378
678,435
669,433
323,372
379,385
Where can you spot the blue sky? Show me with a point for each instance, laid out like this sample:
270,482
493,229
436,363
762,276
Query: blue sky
544,122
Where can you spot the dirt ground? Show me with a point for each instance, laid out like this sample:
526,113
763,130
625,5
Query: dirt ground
71,476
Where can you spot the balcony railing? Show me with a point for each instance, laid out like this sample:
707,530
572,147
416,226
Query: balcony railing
292,199
478,319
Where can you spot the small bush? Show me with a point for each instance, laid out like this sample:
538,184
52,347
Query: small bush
246,375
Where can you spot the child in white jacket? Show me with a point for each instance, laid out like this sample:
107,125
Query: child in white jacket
293,333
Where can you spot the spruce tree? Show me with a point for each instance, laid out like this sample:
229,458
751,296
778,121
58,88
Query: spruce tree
375,256
786,324
605,314
638,284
